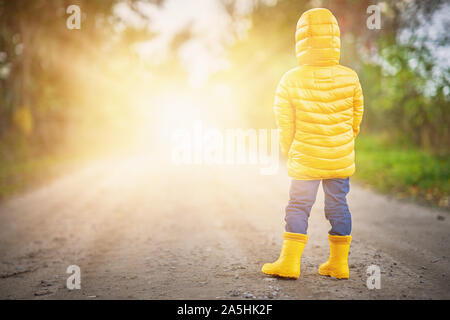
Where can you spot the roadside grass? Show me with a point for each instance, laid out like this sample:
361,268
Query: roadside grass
403,171
18,176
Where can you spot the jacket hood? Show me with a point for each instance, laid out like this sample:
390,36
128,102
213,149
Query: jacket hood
317,38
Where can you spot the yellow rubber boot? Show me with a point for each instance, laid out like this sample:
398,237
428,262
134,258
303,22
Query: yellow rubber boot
337,264
288,264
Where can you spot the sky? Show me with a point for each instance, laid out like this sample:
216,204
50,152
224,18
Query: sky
431,30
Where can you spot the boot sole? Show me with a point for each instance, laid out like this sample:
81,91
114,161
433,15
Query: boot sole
332,274
281,275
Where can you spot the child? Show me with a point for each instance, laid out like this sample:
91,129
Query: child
318,109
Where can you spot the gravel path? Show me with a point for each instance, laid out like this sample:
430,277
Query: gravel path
139,230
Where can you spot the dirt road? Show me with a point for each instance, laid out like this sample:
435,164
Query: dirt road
139,230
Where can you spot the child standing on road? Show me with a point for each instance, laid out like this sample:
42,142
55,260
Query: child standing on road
318,109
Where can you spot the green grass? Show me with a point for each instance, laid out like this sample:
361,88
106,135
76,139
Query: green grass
18,176
403,170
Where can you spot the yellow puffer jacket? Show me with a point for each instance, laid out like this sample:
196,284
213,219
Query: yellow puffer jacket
319,105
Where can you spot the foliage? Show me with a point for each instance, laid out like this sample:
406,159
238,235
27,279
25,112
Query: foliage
396,102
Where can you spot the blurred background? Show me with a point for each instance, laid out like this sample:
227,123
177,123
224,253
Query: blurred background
137,69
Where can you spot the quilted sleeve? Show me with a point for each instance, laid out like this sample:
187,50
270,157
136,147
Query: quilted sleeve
358,108
285,117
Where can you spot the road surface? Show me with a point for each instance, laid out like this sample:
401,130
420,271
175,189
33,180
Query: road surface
141,230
